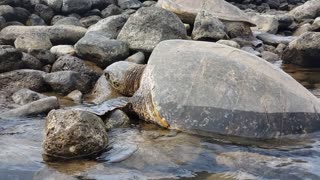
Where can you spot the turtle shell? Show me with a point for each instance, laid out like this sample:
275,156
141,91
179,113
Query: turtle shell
212,88
188,9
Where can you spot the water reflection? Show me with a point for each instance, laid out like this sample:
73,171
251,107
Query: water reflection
147,151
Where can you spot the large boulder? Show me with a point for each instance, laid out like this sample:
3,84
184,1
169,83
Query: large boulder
73,134
33,41
57,34
149,26
304,51
66,81
10,58
309,10
101,50
209,88
18,79
110,26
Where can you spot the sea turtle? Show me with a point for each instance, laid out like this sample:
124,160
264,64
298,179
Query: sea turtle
204,87
235,20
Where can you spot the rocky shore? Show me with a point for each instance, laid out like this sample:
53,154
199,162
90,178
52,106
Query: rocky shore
101,52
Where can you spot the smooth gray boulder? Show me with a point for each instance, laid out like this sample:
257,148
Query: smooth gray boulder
129,4
31,62
45,12
274,40
138,58
25,96
10,58
62,50
111,11
308,10
89,20
117,119
71,21
35,20
34,108
25,78
304,51
33,41
208,27
101,50
57,34
110,26
76,6
73,134
209,88
149,26
66,81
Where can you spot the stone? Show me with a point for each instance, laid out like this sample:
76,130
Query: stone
56,18
33,41
302,29
10,58
18,79
62,50
71,21
57,34
71,63
7,12
138,58
89,20
33,108
229,43
284,20
110,26
35,20
101,50
117,119
25,96
76,6
31,62
148,3
304,51
265,23
73,134
208,27
308,10
45,56
2,22
45,12
129,4
66,81
274,40
280,48
269,56
273,4
149,26
251,51
101,4
102,91
54,4
316,24
76,96
111,10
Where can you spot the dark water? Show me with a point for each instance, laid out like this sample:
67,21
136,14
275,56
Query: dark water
148,152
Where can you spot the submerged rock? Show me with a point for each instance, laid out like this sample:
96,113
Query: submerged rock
73,134
304,51
149,26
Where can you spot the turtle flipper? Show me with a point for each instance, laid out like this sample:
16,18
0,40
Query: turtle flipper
106,106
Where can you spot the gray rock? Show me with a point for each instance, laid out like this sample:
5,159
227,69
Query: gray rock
148,3
76,6
76,96
31,62
18,79
35,20
101,4
229,43
45,56
265,23
21,14
149,26
34,108
274,40
89,20
129,4
45,12
207,26
71,63
102,91
316,24
61,50
302,29
2,22
57,34
111,11
251,51
304,51
284,20
309,10
66,81
101,50
73,134
56,18
138,58
54,4
110,26
30,41
7,12
280,48
72,21
269,56
25,96
117,119
10,58
273,4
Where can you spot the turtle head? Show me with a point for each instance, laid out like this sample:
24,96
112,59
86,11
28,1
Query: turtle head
124,76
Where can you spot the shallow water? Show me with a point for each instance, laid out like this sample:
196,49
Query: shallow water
148,152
